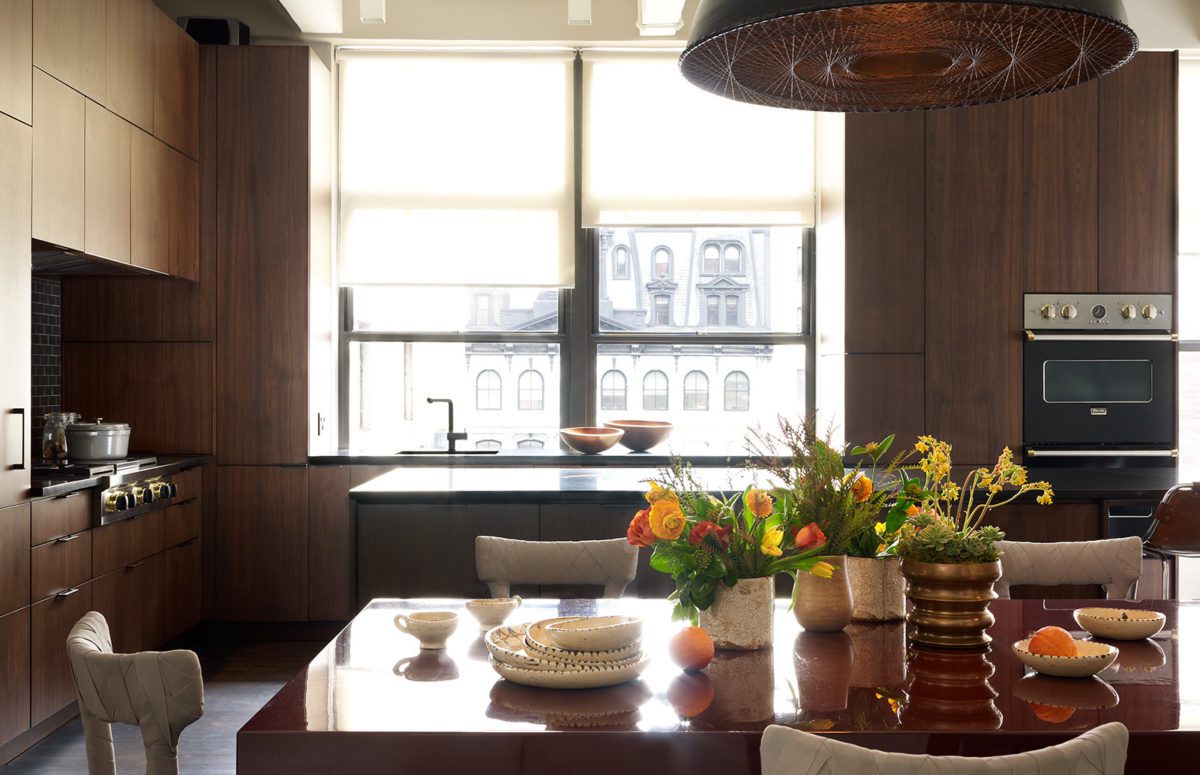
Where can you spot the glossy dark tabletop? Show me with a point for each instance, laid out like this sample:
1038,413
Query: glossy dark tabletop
373,678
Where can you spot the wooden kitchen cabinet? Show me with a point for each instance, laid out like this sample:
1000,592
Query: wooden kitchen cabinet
14,674
126,542
58,162
130,60
330,548
176,86
16,172
14,558
150,206
60,516
106,184
885,394
181,523
183,218
16,60
182,574
51,685
69,43
60,564
133,601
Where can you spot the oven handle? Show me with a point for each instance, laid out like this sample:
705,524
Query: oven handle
1032,337
1102,453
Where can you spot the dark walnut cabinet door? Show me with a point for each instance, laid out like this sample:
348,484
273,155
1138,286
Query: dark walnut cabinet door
14,558
330,550
51,685
176,86
183,569
14,674
15,444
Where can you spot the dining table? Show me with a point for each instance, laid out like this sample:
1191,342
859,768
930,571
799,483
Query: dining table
373,701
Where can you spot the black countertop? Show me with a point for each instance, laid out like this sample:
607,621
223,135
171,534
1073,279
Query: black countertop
45,488
615,457
506,484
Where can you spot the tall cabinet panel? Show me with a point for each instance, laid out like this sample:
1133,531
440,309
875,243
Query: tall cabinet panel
150,214
129,58
16,169
106,184
16,59
58,162
14,674
973,279
176,86
69,43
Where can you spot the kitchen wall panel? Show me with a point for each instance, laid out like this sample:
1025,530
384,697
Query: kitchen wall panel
16,171
330,549
885,394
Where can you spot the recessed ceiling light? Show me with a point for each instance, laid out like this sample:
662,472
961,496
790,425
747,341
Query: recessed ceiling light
660,17
579,13
316,16
372,11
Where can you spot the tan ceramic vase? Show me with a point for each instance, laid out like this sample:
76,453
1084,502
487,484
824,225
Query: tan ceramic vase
823,668
742,617
824,605
877,588
950,602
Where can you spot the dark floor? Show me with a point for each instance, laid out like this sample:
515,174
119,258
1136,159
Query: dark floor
238,680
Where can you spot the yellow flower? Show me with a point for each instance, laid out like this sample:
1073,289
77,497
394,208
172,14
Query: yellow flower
950,492
1019,477
666,519
880,529
995,488
658,492
758,503
1047,497
771,542
822,570
861,489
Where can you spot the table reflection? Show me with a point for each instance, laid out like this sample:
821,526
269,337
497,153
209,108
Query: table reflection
950,691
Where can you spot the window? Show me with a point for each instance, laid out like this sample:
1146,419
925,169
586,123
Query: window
620,263
733,260
654,391
695,391
483,309
731,311
662,263
489,444
612,390
488,390
530,444
737,392
712,260
662,310
712,305
530,390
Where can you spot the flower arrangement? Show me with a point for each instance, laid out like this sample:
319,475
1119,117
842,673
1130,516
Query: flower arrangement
944,520
704,542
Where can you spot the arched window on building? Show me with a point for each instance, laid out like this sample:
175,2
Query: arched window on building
620,263
710,260
737,392
732,310
661,258
654,391
733,260
662,309
487,390
531,444
488,444
612,390
531,390
712,307
695,391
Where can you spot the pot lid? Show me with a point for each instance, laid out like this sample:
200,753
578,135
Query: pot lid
98,425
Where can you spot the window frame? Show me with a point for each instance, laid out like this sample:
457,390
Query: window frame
624,391
499,391
538,390
666,391
745,378
689,392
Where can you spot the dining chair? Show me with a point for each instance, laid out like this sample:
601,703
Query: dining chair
1175,529
160,691
785,751
1115,563
502,562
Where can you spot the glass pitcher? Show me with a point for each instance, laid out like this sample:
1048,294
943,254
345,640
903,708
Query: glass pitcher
54,435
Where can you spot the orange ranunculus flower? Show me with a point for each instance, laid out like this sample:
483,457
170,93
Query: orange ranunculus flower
639,533
861,489
758,503
809,536
666,519
696,537
657,493
912,511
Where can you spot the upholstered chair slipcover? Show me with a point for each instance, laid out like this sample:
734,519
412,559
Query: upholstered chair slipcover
1115,562
502,562
1099,751
160,691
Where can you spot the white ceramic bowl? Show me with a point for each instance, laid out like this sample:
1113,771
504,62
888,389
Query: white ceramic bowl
492,611
1091,659
1120,623
595,633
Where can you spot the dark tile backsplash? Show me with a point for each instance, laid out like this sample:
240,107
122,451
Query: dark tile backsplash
46,378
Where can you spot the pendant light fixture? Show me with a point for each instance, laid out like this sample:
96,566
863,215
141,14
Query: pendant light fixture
872,55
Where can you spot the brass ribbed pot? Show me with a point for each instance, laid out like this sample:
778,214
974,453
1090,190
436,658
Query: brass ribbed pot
950,602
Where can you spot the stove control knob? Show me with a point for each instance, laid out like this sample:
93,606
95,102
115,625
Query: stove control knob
1048,312
114,502
1128,311
1149,312
172,489
1068,311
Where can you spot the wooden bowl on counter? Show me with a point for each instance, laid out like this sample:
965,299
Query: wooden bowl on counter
590,441
641,435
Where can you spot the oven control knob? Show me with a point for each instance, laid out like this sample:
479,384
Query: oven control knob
1149,312
1128,311
1068,311
1048,312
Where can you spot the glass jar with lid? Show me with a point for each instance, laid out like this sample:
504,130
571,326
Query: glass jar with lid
54,435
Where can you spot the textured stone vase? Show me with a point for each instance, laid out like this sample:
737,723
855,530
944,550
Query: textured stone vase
877,587
950,602
742,617
824,605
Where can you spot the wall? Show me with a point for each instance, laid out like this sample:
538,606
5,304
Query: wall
46,377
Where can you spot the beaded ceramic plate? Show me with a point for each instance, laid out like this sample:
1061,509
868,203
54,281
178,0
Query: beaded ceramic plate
588,677
538,643
507,645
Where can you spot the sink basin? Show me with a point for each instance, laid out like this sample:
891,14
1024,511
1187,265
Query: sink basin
447,452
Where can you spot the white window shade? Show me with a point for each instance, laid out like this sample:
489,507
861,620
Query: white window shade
1189,156
657,151
456,169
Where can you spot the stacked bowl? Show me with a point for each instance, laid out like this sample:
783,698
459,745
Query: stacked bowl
569,652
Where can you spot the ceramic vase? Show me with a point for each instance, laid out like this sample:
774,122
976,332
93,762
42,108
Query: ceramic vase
877,587
824,605
950,602
742,617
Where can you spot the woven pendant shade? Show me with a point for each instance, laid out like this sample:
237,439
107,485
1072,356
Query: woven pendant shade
869,55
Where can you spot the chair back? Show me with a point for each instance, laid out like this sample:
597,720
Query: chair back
1099,751
502,562
1116,563
1176,526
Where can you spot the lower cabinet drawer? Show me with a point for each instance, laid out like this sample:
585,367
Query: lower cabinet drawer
61,564
133,600
51,685
187,484
121,543
183,588
64,515
181,523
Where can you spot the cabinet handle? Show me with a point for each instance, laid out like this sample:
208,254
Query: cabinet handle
75,494
68,592
134,565
188,542
20,466
66,539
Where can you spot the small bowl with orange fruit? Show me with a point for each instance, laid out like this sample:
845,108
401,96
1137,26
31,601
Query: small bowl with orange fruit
1052,651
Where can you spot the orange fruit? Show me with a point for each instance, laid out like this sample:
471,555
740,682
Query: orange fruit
1053,642
691,648
1051,714
690,694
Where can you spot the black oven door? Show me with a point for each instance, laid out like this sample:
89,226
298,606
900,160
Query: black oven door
1089,391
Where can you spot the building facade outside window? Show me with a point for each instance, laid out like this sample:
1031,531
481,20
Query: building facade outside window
612,390
712,305
695,391
662,263
531,391
483,309
737,392
662,310
620,263
489,444
711,262
530,444
733,260
489,391
732,305
654,392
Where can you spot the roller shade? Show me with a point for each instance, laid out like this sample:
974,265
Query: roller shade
456,169
657,151
1189,156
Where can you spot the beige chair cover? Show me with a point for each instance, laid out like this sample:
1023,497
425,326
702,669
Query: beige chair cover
1099,751
1116,563
160,691
501,562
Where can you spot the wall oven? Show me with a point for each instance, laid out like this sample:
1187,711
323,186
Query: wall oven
1099,383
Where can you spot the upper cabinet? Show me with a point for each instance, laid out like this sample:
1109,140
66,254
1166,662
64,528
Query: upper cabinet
69,43
130,37
58,162
16,58
176,87
15,448
149,212
106,184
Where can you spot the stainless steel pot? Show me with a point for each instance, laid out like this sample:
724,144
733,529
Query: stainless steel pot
98,440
